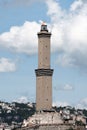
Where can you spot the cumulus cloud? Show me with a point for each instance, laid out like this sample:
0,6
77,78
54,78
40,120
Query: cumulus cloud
82,104
76,5
69,31
69,34
22,99
62,104
21,39
6,65
66,87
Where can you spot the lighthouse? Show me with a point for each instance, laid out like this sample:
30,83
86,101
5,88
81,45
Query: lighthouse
44,72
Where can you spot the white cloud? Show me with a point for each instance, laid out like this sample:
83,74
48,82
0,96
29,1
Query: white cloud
76,5
66,87
62,104
6,65
54,10
21,39
22,99
69,31
69,34
82,104
66,60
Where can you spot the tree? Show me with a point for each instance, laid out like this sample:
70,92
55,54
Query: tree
70,128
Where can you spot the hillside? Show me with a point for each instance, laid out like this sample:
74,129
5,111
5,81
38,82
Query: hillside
15,113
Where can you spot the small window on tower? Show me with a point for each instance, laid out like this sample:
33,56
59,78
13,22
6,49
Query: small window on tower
44,28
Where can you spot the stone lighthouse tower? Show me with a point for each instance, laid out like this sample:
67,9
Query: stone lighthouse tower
44,72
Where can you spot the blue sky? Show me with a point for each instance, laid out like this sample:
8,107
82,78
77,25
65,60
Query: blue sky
20,21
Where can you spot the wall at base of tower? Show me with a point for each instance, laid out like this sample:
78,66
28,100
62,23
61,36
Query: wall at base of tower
43,93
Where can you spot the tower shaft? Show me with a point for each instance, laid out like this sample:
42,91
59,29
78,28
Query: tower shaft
44,50
44,73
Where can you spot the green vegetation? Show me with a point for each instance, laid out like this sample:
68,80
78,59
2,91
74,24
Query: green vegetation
15,112
85,112
70,128
79,123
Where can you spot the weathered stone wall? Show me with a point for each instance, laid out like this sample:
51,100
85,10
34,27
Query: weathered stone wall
54,127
